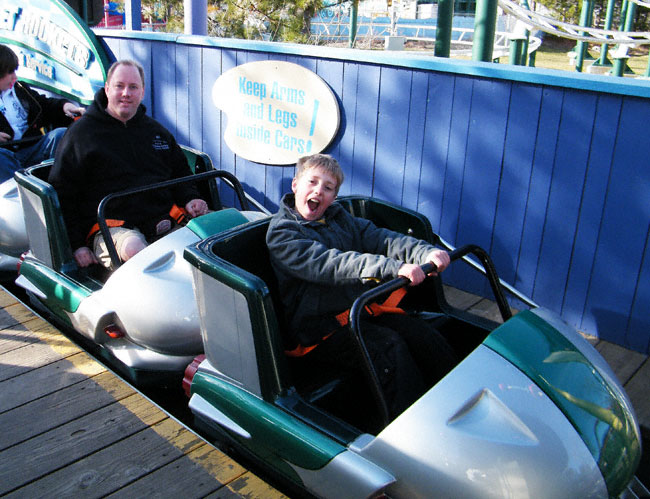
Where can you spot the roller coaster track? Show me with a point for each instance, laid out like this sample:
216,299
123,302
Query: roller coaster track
580,33
641,3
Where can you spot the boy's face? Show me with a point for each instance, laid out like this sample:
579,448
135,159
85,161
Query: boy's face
315,191
7,81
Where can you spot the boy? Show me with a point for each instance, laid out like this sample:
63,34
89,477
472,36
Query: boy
23,112
324,258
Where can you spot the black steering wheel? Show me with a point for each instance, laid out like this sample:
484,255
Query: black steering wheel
399,282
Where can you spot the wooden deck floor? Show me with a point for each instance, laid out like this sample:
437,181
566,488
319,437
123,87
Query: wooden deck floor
72,428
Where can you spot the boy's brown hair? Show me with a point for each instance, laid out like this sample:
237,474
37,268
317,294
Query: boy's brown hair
8,61
324,161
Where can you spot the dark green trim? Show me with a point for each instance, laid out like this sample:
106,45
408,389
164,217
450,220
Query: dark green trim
596,408
61,292
537,76
281,435
216,222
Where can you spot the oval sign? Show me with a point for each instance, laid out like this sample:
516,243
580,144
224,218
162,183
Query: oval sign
277,111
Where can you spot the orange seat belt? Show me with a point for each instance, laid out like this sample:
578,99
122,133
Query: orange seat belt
179,215
374,309
95,228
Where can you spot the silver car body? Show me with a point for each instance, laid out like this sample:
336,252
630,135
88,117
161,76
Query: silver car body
13,234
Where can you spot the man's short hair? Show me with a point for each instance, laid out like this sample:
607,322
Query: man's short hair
324,161
8,61
125,62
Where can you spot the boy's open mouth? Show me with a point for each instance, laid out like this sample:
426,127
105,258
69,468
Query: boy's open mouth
313,204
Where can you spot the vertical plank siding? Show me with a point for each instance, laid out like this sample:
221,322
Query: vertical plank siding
547,171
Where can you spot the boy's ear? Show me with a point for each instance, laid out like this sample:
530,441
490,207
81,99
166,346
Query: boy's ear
294,182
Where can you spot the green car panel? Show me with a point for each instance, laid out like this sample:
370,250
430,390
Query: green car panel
596,409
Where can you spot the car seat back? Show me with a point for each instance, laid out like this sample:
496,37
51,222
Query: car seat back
48,237
233,284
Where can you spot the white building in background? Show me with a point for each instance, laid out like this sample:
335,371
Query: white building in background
411,9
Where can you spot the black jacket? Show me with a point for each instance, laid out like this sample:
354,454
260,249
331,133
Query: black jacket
323,266
100,155
42,111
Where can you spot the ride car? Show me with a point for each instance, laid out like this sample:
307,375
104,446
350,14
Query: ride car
530,410
141,315
13,234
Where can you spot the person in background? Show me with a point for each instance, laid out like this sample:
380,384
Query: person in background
113,147
23,112
324,258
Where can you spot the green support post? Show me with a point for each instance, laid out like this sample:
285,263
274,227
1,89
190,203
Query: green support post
620,63
524,49
609,16
585,20
485,23
444,25
354,10
516,51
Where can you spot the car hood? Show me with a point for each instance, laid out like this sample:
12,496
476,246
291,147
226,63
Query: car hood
527,414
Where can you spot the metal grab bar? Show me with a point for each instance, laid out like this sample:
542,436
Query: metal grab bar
101,219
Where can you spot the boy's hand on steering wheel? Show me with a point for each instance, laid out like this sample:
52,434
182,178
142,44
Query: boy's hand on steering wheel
412,272
440,258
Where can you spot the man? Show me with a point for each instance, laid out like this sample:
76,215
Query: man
116,146
23,112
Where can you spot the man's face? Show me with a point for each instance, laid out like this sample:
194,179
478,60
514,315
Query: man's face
7,81
125,91
315,191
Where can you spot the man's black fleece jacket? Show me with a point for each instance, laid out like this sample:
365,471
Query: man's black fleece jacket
100,155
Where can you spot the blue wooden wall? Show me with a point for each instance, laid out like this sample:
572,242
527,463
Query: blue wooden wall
546,170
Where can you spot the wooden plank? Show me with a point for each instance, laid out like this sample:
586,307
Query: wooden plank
6,298
32,356
113,467
489,310
47,379
74,440
14,314
364,130
349,113
394,96
595,191
565,194
435,149
540,184
249,486
19,335
416,125
519,150
197,474
487,125
57,408
623,362
623,236
460,299
455,162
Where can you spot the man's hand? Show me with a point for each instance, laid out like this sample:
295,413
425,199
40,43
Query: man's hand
84,256
4,137
196,207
